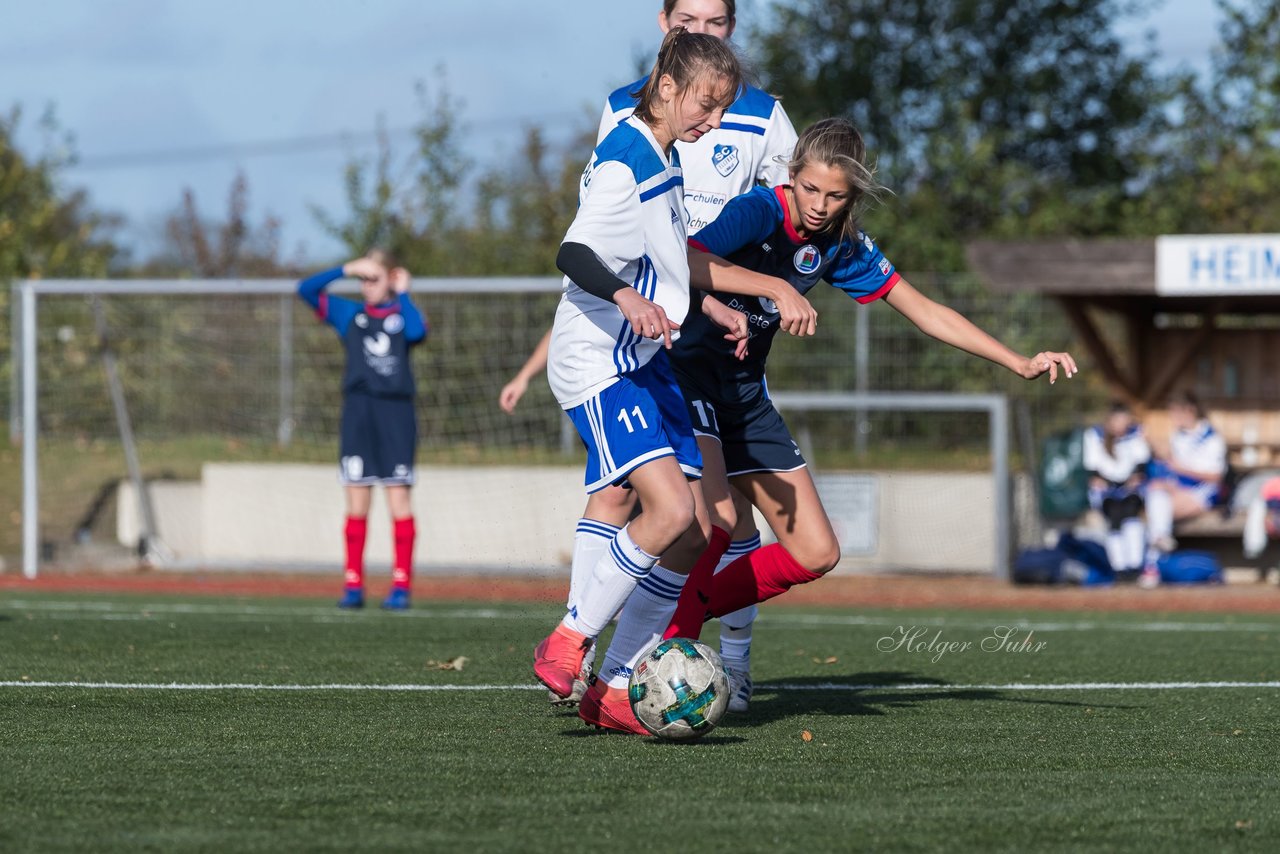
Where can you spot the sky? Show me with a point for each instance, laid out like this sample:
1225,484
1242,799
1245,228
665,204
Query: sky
162,95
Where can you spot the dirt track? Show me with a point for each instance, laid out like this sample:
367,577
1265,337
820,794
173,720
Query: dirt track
866,591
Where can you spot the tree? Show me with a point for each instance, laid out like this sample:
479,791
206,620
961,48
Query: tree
983,115
1218,167
46,229
198,246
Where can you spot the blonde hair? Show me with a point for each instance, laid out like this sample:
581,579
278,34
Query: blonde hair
684,57
837,144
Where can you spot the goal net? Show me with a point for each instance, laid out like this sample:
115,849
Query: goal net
235,385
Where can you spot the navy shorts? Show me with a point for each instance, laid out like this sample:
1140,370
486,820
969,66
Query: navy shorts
739,415
639,418
379,441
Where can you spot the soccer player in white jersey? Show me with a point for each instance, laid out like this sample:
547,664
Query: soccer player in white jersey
1184,482
625,261
752,146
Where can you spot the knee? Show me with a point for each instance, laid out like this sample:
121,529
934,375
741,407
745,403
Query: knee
819,557
674,517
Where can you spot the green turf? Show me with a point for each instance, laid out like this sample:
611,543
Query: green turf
987,768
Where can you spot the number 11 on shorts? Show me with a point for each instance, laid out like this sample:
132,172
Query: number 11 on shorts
626,419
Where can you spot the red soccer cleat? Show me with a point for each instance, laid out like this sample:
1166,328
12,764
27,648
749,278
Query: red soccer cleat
557,661
609,708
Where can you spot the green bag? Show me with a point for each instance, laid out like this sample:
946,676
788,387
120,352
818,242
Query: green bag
1064,483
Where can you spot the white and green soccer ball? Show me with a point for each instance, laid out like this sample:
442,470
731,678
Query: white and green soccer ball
679,689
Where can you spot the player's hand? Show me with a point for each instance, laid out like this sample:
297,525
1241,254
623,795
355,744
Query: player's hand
647,318
511,394
400,280
730,319
1049,362
362,268
797,314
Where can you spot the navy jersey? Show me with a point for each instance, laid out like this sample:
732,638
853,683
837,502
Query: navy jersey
377,338
755,231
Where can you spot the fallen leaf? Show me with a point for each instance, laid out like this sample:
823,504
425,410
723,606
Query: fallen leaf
806,736
453,664
1241,824
830,659
1237,732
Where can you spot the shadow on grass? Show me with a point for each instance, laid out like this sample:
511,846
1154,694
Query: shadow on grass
871,693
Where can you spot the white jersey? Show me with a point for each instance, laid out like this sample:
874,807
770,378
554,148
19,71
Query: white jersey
753,144
1199,449
1129,453
631,214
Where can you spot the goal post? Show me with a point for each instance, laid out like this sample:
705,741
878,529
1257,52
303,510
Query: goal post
996,407
218,373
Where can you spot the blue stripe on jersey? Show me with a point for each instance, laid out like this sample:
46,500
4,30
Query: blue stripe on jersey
622,99
756,129
625,563
753,102
673,181
628,146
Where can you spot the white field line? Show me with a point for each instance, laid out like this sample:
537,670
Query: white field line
829,686
151,611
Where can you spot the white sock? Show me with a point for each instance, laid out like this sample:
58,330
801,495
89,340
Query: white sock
1117,554
612,580
1134,534
1159,514
644,618
735,628
590,541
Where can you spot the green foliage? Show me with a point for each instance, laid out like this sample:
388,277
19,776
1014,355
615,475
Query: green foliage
46,229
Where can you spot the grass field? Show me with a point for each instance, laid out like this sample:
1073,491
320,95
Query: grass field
150,723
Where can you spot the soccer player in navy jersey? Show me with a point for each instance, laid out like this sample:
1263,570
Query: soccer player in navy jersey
751,146
761,255
625,260
379,433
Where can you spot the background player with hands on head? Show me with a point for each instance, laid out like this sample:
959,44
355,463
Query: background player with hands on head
379,432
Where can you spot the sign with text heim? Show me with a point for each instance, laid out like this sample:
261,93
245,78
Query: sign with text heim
1217,264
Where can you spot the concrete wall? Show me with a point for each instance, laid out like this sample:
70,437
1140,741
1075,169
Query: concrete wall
523,518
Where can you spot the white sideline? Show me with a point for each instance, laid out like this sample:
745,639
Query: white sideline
763,688
147,611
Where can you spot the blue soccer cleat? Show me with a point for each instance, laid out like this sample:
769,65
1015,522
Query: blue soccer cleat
397,599
352,597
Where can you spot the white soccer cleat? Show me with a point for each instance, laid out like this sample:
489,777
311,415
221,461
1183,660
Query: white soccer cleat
739,670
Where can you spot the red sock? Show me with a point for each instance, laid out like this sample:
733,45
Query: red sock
402,571
691,610
756,576
357,527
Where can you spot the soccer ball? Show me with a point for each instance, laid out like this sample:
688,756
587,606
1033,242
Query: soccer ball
679,689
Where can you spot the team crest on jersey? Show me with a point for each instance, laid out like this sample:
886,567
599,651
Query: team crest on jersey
884,266
378,345
807,258
769,306
393,323
725,159
362,320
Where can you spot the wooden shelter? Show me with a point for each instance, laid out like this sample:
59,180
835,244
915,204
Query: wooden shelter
1158,315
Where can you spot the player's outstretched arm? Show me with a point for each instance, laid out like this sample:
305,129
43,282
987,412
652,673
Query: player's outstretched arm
950,327
519,384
